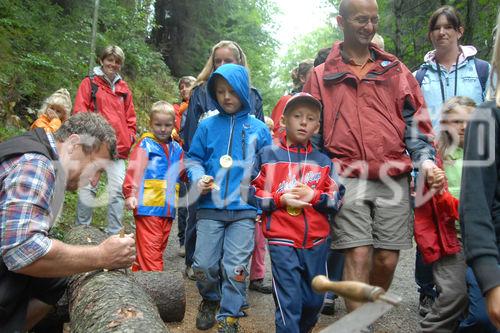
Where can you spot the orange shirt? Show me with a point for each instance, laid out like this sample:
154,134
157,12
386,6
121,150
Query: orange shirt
360,70
49,125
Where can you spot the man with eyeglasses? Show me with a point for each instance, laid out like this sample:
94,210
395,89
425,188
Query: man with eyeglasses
376,129
35,170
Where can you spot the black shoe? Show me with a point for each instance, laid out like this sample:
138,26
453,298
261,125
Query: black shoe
258,285
205,319
228,325
328,307
425,304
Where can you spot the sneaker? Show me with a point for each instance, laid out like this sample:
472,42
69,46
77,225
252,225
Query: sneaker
182,251
205,319
328,305
228,325
189,273
258,285
425,304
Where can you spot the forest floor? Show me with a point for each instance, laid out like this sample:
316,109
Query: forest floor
260,319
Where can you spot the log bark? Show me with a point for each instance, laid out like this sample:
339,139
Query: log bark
167,291
108,301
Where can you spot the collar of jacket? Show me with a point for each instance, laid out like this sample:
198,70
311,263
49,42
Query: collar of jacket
152,136
294,148
336,69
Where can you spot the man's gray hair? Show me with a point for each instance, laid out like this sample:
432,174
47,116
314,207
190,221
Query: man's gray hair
93,130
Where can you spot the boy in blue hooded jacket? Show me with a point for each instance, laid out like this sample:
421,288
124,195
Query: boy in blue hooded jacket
219,164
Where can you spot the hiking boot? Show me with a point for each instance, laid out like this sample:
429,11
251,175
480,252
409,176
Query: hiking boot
425,304
228,325
205,319
328,305
258,285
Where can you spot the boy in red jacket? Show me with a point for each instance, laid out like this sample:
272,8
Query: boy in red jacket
296,188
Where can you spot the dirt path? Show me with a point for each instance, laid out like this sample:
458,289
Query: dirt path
260,318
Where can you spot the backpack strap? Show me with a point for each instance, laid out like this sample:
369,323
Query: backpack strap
93,91
482,69
419,76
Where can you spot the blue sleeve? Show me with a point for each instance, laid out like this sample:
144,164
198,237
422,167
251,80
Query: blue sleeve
196,155
332,193
256,101
195,109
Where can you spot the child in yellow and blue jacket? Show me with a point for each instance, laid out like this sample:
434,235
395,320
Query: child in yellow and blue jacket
151,187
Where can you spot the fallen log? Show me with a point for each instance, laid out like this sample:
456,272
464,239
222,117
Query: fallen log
167,291
108,301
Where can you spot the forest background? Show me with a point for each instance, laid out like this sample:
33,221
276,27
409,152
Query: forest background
46,45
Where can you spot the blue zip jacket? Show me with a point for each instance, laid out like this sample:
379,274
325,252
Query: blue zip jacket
239,135
158,189
468,83
201,104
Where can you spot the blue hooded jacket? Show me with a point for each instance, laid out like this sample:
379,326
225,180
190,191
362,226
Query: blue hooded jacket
238,135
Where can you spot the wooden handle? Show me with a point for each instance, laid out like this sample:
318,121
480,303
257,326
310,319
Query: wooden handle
122,232
353,290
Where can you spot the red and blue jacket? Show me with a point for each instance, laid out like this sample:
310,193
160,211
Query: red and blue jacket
152,176
278,168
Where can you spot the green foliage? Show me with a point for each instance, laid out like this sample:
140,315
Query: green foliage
44,47
186,31
304,48
404,27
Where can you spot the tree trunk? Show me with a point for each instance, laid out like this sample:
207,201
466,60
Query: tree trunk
108,301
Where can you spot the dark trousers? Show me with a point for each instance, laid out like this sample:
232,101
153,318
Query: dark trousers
16,290
297,305
424,277
335,265
182,213
190,231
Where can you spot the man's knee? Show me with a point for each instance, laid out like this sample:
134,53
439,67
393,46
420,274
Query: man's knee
358,256
387,259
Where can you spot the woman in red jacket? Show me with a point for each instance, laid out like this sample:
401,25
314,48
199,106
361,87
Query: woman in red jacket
105,92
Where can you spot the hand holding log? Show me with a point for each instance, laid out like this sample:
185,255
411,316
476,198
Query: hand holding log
353,290
117,252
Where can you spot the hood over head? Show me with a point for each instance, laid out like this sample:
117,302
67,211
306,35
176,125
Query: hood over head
238,78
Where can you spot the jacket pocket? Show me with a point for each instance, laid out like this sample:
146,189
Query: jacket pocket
154,192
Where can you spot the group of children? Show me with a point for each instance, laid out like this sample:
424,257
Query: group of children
241,174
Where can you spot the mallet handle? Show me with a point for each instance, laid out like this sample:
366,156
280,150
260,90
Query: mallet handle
353,290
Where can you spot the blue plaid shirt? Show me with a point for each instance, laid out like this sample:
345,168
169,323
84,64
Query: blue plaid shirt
26,190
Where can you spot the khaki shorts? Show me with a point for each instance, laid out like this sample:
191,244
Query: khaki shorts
375,213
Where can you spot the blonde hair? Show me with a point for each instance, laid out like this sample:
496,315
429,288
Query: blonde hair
446,144
269,122
186,80
60,97
494,92
379,41
239,55
162,107
112,50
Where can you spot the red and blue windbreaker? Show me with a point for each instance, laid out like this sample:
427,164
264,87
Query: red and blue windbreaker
277,169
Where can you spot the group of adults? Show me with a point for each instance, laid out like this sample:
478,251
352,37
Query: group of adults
375,126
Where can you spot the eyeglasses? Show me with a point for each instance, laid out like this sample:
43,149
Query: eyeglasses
363,20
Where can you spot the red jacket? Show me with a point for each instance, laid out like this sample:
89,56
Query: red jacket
271,179
117,107
365,121
434,229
